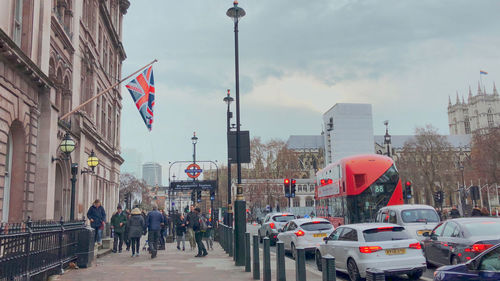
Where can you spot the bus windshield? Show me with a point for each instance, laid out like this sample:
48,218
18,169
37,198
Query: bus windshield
364,207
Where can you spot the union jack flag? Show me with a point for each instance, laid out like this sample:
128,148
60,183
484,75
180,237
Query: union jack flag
142,90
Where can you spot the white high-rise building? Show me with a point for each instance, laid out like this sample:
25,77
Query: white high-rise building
151,174
348,130
480,112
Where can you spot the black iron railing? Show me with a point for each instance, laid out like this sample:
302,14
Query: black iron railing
30,248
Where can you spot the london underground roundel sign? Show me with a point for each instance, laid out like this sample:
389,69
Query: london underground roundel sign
193,171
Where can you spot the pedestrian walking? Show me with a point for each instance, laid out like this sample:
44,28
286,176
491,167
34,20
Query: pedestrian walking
118,224
454,213
190,217
154,221
180,231
163,230
136,227
97,218
125,234
207,235
199,225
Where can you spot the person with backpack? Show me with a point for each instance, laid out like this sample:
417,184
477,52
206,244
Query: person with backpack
188,223
199,226
136,227
207,234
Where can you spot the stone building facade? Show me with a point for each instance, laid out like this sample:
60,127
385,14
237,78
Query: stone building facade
54,55
480,112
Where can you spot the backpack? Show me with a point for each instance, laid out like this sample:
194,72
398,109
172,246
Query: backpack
203,224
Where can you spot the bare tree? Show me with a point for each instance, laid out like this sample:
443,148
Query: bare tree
131,185
485,154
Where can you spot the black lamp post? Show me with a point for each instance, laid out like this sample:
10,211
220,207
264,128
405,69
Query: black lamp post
387,138
229,216
194,140
236,13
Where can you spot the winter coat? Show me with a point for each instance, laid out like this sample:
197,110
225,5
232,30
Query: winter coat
154,220
454,213
116,219
97,214
179,229
476,212
136,226
195,222
190,219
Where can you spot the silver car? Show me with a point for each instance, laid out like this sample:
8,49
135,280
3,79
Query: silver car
272,224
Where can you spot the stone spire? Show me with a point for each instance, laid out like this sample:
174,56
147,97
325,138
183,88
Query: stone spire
470,93
449,101
463,100
495,93
458,100
478,89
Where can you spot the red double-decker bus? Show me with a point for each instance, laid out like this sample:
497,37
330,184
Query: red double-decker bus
355,188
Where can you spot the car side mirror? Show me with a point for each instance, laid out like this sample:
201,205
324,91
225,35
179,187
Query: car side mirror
433,236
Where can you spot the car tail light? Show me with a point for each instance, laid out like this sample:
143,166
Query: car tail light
479,248
416,246
300,233
369,249
272,225
385,228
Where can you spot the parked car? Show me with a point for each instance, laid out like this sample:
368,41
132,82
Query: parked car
357,247
459,240
417,219
273,222
305,233
485,266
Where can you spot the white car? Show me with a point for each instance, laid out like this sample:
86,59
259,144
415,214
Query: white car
417,219
387,247
305,233
273,222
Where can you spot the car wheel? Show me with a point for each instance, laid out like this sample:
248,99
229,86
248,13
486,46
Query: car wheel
454,260
319,263
353,271
294,253
415,275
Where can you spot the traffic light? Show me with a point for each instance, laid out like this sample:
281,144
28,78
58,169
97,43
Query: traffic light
287,187
198,196
192,196
293,188
408,189
212,195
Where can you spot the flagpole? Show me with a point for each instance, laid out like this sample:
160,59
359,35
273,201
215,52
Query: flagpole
105,91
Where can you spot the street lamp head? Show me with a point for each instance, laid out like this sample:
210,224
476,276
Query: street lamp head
386,122
194,139
235,12
92,161
67,144
228,99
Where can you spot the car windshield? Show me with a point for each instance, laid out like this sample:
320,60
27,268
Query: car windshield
385,234
316,226
283,218
419,215
483,228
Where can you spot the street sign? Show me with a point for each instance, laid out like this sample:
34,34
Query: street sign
193,171
193,185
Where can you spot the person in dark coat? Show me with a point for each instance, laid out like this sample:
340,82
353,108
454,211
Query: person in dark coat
136,227
118,224
196,223
154,222
476,212
97,218
180,231
190,217
163,230
454,213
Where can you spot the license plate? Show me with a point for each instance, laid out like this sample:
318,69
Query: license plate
319,235
421,232
395,252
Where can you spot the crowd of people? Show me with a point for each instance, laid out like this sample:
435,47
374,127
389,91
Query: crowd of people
447,213
128,226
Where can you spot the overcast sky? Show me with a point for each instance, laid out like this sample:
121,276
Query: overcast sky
297,59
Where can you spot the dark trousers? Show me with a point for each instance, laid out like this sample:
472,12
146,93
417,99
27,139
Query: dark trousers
135,244
127,242
201,247
163,232
118,241
153,237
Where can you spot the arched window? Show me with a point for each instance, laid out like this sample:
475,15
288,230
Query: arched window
467,125
490,118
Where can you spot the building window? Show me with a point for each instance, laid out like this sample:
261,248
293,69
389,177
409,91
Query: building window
467,125
103,120
110,124
309,202
18,20
98,112
490,119
296,202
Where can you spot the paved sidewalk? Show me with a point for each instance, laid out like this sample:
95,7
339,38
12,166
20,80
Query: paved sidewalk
171,265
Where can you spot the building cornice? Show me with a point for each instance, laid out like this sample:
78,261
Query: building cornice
61,34
24,64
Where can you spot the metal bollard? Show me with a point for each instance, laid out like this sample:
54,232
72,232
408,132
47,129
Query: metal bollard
373,274
328,268
230,240
256,261
300,264
233,244
280,261
226,238
248,261
267,260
